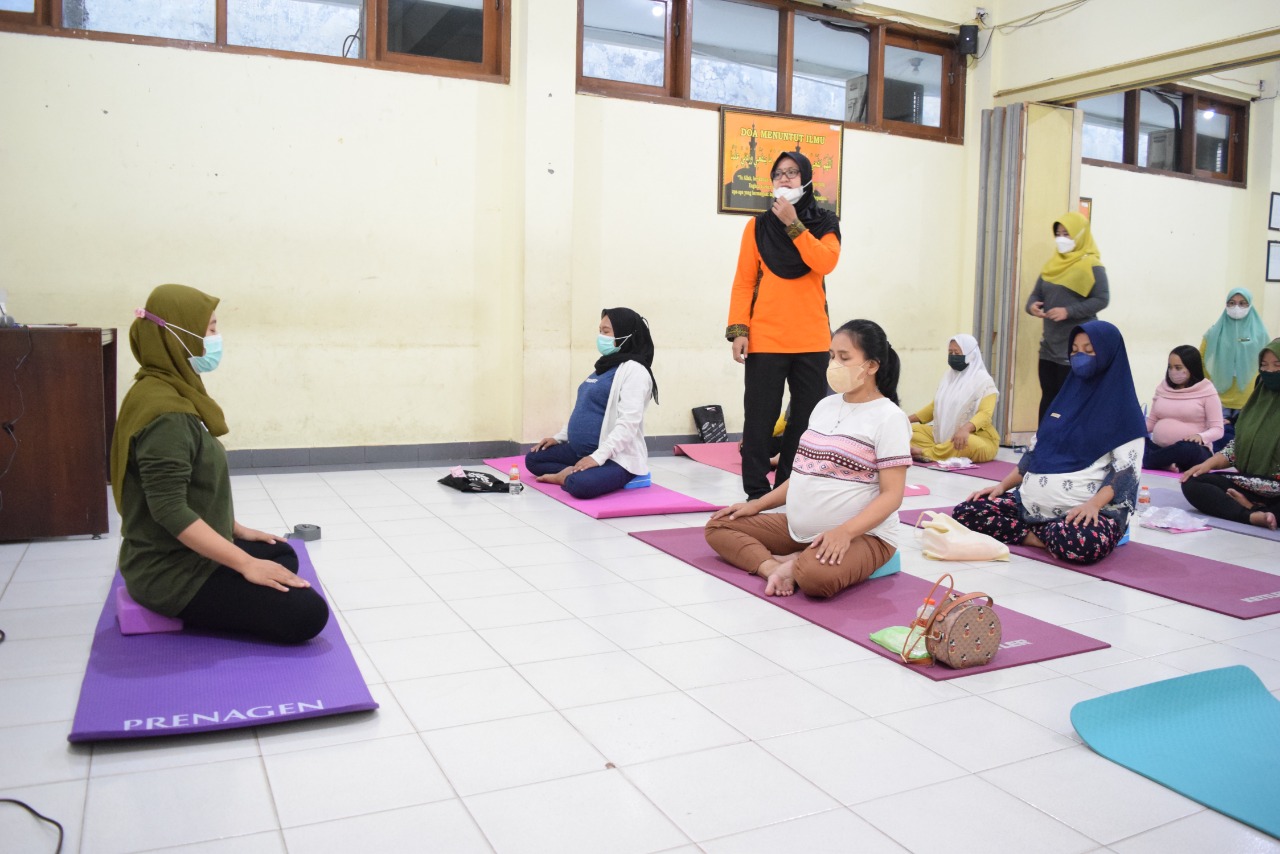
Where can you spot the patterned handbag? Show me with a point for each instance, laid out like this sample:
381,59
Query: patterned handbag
961,632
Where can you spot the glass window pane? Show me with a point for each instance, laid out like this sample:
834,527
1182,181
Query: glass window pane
1104,127
912,86
1213,130
829,74
190,20
444,29
625,40
735,54
307,26
1159,129
17,5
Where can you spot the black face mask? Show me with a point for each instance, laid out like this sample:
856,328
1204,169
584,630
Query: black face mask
1270,380
957,363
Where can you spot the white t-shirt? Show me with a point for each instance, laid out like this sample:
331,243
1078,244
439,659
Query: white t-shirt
1051,496
836,472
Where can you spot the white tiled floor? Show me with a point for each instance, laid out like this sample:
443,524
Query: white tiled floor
548,683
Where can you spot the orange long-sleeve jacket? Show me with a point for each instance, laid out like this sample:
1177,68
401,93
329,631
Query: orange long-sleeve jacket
782,315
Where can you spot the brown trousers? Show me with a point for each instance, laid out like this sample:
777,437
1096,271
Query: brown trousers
747,543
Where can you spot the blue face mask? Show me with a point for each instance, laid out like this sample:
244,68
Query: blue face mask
608,345
1083,365
212,355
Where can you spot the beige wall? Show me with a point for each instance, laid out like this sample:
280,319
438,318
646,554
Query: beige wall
1112,32
410,259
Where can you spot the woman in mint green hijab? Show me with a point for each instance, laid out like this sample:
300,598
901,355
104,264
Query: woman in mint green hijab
1230,351
182,553
1250,494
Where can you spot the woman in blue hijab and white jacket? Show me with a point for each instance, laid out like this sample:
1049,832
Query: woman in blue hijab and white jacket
1077,486
602,447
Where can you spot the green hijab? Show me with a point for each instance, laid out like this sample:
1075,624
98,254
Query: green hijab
1258,428
1231,347
166,382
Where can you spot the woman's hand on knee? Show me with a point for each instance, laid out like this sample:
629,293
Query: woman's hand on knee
544,444
587,462
986,493
270,574
735,511
1082,514
831,546
1196,470
253,535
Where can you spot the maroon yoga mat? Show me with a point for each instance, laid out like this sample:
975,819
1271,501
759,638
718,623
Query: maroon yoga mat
1236,591
856,612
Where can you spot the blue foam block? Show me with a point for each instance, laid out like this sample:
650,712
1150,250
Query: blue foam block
892,565
640,481
1212,736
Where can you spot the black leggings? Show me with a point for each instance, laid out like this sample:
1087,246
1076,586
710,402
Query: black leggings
1208,494
1052,377
229,603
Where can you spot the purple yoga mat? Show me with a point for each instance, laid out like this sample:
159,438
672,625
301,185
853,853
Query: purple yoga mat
1236,591
1161,497
993,470
856,612
141,686
652,500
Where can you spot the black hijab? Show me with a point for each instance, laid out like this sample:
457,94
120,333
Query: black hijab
779,251
636,346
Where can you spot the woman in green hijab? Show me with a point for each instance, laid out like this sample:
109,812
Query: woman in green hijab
1071,290
1253,494
182,552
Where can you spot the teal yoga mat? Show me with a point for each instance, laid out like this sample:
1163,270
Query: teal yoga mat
1212,736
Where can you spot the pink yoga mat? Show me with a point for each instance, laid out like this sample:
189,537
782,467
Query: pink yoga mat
856,612
725,456
1236,591
650,501
993,470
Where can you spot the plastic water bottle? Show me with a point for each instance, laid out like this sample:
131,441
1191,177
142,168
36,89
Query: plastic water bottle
514,486
1144,500
925,611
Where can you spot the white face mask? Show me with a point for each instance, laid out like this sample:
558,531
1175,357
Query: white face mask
1065,244
791,194
1237,312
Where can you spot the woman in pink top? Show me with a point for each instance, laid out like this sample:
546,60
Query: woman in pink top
1185,417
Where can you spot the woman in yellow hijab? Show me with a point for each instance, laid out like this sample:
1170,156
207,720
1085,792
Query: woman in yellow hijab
1071,290
182,554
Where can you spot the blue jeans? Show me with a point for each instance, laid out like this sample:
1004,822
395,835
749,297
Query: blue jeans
590,483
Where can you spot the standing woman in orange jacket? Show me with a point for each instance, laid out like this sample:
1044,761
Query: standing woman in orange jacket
778,316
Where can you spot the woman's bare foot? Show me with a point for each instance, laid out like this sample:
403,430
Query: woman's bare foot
782,580
1263,519
917,454
557,478
1237,497
1033,541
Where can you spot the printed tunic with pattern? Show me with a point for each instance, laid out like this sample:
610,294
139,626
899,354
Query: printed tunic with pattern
836,472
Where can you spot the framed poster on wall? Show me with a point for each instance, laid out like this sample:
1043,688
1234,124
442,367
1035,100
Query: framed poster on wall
749,143
1273,219
1273,260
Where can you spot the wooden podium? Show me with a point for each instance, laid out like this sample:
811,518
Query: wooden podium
57,416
